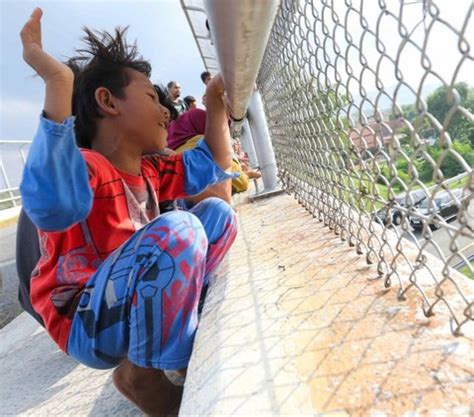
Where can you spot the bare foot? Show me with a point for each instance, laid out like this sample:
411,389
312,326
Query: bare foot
149,389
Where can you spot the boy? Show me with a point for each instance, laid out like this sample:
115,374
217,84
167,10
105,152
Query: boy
117,285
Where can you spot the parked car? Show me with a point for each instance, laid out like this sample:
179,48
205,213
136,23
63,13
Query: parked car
444,205
413,198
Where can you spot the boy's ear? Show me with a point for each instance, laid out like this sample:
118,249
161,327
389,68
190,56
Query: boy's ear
106,101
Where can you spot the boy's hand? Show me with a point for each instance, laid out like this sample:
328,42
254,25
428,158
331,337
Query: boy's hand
45,65
215,86
58,77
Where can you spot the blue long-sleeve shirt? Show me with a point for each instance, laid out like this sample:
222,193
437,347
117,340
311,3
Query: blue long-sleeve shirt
56,191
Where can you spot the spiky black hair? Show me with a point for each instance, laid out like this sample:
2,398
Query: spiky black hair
103,62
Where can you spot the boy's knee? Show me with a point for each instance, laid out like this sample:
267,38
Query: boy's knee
148,388
184,229
218,218
218,207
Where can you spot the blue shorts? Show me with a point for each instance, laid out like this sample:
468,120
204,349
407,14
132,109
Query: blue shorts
141,303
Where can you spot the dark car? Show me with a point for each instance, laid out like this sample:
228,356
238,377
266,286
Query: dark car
444,205
411,199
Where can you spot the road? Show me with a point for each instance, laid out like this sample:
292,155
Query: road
443,239
9,306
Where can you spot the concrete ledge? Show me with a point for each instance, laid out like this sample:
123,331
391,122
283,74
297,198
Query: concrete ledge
295,323
298,324
9,216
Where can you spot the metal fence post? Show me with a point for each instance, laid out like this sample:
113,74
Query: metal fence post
248,145
262,142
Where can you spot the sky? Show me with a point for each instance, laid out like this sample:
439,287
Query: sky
164,38
427,60
159,26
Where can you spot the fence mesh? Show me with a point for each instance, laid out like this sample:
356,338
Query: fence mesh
370,111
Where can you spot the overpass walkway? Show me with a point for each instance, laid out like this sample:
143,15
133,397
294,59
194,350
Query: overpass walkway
295,323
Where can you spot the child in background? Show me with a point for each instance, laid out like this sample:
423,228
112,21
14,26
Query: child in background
118,284
185,133
190,102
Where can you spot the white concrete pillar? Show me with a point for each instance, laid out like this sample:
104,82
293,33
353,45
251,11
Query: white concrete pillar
248,145
262,142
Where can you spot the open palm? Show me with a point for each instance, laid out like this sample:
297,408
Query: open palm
45,65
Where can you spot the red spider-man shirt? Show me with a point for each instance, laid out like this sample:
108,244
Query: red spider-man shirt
120,204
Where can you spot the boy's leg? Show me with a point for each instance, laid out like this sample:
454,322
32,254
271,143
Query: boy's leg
220,225
142,303
148,388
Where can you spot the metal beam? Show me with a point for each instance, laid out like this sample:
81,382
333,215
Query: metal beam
240,31
186,10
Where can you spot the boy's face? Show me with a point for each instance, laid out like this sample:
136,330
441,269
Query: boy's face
143,119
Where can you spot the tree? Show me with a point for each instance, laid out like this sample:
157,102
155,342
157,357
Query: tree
460,128
450,165
421,124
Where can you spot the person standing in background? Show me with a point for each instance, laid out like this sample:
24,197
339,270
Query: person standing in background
206,77
174,90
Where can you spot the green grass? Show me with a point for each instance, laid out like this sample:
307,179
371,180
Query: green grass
465,270
368,191
461,183
383,191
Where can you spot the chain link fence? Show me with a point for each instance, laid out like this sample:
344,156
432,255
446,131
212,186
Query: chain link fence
370,108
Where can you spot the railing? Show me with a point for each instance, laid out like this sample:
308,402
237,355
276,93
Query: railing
377,105
12,159
231,38
370,113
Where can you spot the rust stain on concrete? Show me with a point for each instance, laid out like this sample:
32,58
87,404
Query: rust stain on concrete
325,336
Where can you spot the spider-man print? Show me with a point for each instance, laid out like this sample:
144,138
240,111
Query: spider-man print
142,301
114,274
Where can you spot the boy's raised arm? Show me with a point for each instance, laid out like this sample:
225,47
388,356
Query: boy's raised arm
217,135
58,77
55,188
